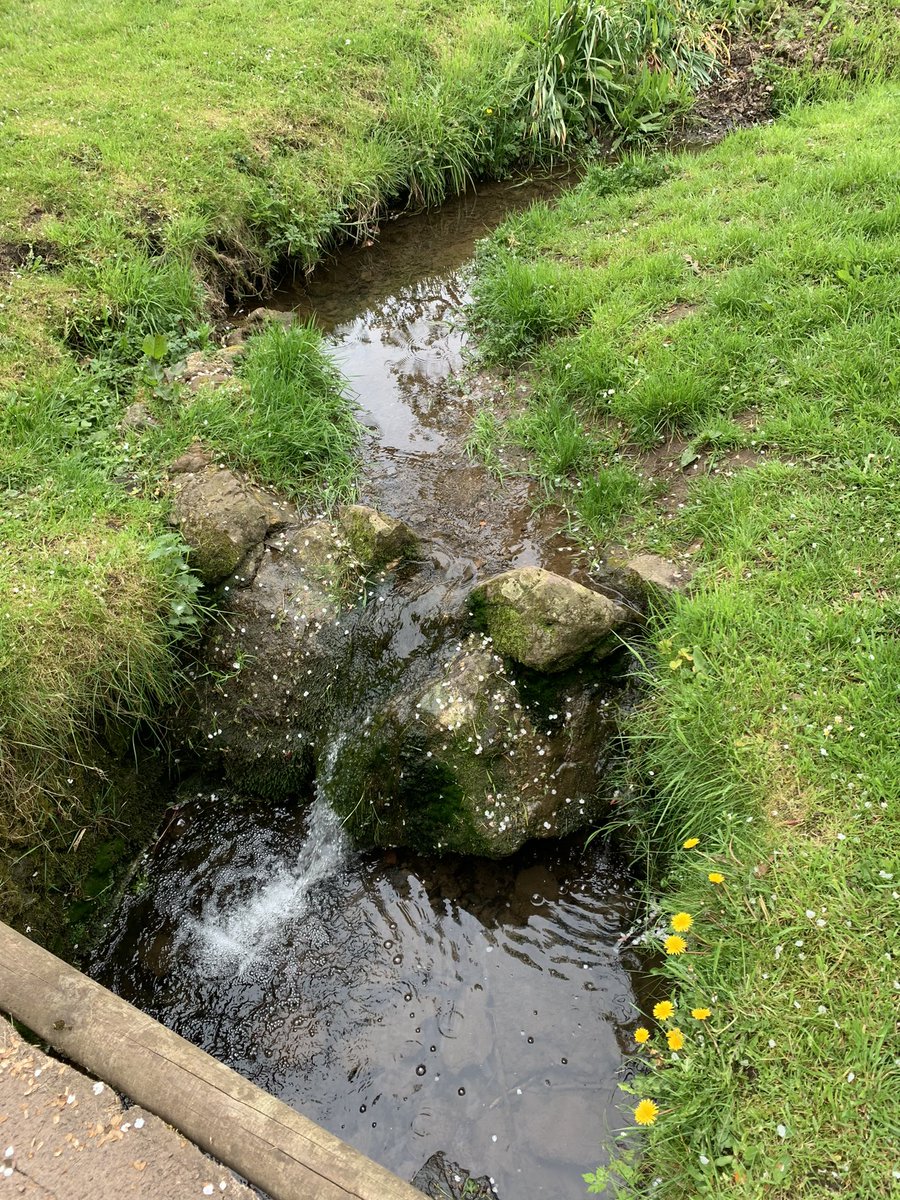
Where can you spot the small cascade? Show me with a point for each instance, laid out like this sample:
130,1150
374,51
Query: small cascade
247,916
410,1004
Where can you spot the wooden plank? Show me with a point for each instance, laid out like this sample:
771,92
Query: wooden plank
255,1134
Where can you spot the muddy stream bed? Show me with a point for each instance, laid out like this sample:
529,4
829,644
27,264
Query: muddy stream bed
408,1004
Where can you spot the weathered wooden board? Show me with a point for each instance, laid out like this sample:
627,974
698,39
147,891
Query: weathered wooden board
255,1134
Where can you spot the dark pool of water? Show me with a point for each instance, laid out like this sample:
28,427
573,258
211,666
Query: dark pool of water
406,1003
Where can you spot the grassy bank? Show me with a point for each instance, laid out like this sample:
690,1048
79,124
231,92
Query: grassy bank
151,159
741,306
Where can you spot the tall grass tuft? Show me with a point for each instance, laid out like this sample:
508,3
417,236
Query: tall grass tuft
626,69
291,425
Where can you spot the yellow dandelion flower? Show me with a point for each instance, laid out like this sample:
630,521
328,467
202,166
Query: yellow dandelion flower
646,1112
690,843
663,1010
489,111
701,1014
675,664
675,1038
715,877
675,944
641,1035
682,922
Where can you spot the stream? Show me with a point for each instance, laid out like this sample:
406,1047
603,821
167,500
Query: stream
407,1003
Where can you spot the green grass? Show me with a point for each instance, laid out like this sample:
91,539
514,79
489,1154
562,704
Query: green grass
285,419
770,729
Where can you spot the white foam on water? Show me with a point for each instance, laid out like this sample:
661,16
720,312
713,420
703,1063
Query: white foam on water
234,934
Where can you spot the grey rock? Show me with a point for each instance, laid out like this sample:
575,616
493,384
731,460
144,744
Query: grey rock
462,764
138,416
544,621
259,317
202,369
659,574
219,518
194,459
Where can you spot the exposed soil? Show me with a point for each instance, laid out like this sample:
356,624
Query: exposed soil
739,96
674,466
742,94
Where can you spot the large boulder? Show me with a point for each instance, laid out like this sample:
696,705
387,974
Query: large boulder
467,762
544,621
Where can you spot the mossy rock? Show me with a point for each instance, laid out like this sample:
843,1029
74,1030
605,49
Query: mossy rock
376,539
544,621
220,520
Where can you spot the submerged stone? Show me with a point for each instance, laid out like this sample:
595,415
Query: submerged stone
442,1179
544,621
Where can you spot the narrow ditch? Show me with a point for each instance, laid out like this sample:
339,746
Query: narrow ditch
409,1003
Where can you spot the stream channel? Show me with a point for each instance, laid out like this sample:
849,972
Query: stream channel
407,1003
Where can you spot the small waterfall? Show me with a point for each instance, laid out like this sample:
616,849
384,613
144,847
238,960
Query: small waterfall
233,933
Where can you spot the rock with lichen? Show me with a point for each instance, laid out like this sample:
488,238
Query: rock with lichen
544,621
469,761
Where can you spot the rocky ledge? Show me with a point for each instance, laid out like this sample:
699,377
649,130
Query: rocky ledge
352,656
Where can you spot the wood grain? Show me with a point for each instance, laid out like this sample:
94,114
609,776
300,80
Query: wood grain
255,1134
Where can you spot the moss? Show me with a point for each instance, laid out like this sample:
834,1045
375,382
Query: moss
214,555
60,888
505,626
270,777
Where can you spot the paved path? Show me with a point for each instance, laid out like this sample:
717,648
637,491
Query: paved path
65,1137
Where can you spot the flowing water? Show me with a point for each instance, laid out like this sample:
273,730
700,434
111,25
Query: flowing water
394,317
409,1004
